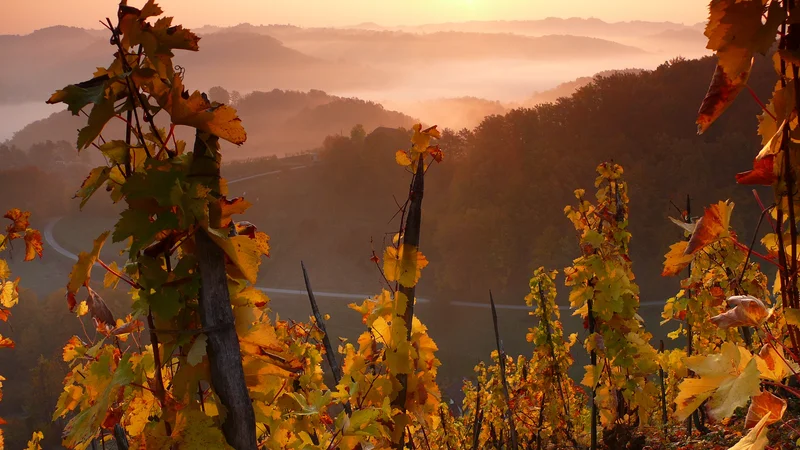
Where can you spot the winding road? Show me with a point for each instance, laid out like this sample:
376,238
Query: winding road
51,241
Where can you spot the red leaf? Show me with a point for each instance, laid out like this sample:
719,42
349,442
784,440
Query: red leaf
436,153
4,315
6,342
763,172
71,301
20,219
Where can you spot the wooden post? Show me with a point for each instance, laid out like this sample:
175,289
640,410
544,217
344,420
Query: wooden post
216,317
330,356
411,237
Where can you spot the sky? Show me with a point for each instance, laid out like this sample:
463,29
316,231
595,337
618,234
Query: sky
25,16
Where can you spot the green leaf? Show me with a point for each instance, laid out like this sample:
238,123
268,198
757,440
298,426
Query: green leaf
101,113
118,152
97,177
76,96
593,238
165,303
792,316
198,350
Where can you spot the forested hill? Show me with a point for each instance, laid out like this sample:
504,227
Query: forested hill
494,208
279,121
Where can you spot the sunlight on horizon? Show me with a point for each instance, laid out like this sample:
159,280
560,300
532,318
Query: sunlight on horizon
22,17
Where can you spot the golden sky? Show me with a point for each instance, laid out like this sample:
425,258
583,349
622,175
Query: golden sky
24,16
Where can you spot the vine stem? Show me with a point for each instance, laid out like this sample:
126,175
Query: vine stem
161,393
501,356
760,103
132,284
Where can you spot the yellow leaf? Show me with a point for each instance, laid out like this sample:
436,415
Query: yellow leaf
5,272
35,442
198,112
243,252
83,309
756,439
792,315
773,365
137,415
728,378
8,294
677,259
401,157
82,270
109,279
403,264
592,376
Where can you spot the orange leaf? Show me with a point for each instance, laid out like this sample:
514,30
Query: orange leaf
20,219
763,404
747,311
711,227
436,153
725,85
236,205
33,244
6,342
676,260
763,172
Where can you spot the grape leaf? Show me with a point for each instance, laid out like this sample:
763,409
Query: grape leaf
763,173
198,350
19,222
6,342
728,379
197,111
33,244
773,365
8,294
96,178
403,264
82,270
747,311
756,439
722,91
76,96
676,259
101,113
765,404
712,227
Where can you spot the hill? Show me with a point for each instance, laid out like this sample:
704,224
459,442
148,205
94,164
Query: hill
456,113
495,209
49,59
278,122
568,88
380,47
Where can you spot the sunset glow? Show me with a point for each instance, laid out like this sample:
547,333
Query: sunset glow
21,16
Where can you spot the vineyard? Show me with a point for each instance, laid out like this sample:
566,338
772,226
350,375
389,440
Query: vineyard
200,360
